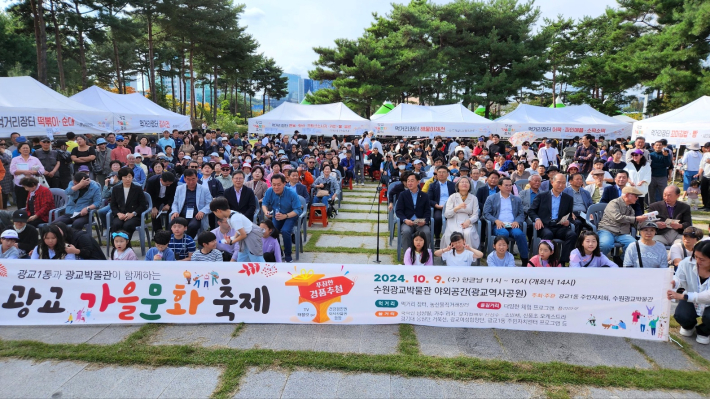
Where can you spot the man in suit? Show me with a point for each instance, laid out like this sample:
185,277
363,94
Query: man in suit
528,195
671,208
161,189
581,201
504,209
439,192
475,182
127,209
489,189
546,211
192,202
413,210
613,192
240,197
294,183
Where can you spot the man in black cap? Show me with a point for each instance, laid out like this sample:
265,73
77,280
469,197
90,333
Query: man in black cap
50,161
551,172
26,233
65,164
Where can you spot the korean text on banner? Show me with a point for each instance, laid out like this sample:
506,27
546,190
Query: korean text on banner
616,302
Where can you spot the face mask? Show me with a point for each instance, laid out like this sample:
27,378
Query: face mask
20,230
401,167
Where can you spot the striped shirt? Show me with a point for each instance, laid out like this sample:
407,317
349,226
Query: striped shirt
182,247
214,256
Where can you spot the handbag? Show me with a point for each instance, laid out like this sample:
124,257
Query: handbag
322,193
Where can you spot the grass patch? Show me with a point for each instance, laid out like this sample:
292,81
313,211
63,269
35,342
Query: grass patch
688,350
558,393
238,329
411,365
408,343
644,354
374,211
336,220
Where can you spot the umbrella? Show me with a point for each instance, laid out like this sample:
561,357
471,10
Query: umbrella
520,137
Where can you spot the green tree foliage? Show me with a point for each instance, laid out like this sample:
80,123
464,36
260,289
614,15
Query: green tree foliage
15,48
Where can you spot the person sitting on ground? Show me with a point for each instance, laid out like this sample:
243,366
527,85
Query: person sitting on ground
500,257
587,252
230,252
248,235
121,247
684,248
39,201
671,208
208,251
51,245
160,252
182,245
546,256
80,243
9,249
83,196
270,242
505,213
653,253
458,253
617,221
691,287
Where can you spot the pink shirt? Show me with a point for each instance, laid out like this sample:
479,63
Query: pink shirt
30,164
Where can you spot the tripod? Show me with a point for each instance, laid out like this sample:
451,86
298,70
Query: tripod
377,199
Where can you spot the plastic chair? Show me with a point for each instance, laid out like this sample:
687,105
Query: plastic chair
390,214
489,235
142,229
60,202
399,237
521,184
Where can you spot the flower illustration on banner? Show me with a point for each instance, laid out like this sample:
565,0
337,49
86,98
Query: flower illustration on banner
3,270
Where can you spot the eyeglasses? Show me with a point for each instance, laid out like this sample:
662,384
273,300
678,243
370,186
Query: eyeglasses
120,141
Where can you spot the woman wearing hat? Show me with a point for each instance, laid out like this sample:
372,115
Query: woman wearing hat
652,253
691,164
639,173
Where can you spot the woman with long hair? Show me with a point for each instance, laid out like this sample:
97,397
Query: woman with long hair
187,146
52,245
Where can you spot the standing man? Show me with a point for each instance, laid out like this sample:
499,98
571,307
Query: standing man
640,144
585,155
548,155
166,140
284,207
359,169
413,210
548,209
102,162
121,152
50,161
439,192
705,179
660,162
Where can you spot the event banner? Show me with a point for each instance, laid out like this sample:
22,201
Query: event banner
675,134
431,129
311,128
617,302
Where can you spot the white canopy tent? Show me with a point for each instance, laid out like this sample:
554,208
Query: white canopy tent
452,120
624,118
32,109
319,119
685,125
133,113
561,123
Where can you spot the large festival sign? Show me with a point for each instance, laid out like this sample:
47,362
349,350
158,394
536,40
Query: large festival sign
311,128
558,131
146,123
615,302
674,133
431,129
53,122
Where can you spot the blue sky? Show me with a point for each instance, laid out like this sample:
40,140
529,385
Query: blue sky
288,30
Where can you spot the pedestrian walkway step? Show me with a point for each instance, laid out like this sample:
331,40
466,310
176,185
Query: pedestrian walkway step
27,379
70,334
364,242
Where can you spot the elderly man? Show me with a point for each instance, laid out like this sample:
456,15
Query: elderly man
582,201
619,217
241,198
439,192
640,144
413,210
192,202
596,188
548,209
284,206
552,171
139,178
671,208
505,213
528,195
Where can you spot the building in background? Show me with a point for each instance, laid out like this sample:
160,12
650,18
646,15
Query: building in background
295,88
315,85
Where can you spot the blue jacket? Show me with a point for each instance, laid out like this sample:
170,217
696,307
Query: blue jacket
138,175
301,190
491,209
348,165
286,202
586,197
435,191
75,203
203,199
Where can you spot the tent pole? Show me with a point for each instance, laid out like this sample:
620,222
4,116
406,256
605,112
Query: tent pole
675,163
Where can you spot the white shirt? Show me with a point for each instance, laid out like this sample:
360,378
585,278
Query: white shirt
453,259
238,221
162,191
125,193
705,165
548,156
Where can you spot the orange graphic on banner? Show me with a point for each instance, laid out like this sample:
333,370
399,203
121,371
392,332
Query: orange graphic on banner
319,291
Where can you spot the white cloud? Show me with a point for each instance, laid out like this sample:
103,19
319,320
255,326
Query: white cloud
254,14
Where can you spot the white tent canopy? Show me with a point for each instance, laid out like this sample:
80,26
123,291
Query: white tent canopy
319,119
685,125
452,120
133,113
32,109
624,118
561,123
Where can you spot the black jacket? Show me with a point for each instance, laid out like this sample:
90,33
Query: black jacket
541,207
482,195
152,187
406,209
247,203
435,191
90,249
136,200
216,189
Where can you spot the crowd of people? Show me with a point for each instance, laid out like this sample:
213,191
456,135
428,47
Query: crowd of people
219,197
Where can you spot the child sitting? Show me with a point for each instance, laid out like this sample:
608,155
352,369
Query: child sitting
230,252
458,253
271,246
121,247
209,252
249,236
9,245
587,253
160,251
546,256
692,193
418,253
500,257
180,243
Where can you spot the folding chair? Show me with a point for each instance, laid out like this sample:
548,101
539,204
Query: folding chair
142,229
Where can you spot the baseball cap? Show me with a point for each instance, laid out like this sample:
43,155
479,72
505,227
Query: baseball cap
225,139
554,168
418,161
548,141
20,216
597,172
11,234
648,224
45,138
138,155
83,168
119,138
246,165
214,154
637,151
282,152
189,158
100,141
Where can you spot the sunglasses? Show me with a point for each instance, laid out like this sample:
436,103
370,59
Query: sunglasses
120,141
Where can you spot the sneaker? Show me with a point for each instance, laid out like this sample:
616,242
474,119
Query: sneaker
362,183
687,333
705,340
288,259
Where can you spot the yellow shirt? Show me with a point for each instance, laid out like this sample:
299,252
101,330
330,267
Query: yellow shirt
71,144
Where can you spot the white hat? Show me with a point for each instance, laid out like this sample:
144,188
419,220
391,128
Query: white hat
246,165
138,155
10,234
189,158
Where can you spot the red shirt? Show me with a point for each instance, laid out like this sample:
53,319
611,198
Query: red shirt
120,153
43,203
